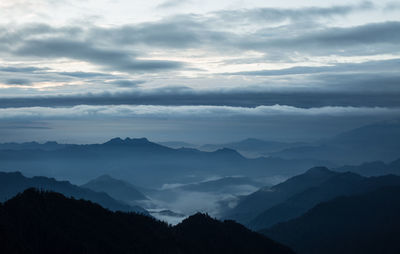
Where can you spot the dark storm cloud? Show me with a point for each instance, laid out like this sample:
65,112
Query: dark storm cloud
98,45
194,31
366,39
178,32
387,32
189,32
17,81
30,75
127,83
80,74
110,58
21,69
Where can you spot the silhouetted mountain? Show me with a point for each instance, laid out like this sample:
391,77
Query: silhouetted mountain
13,183
375,168
368,223
47,222
139,161
252,205
372,142
202,234
338,185
117,189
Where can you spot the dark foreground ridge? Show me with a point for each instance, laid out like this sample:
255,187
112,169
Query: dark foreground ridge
367,223
47,222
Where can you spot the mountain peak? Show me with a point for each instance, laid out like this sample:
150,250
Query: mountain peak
51,143
115,141
199,216
120,141
104,178
318,170
228,151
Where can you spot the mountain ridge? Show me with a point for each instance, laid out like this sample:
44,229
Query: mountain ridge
12,183
48,222
366,223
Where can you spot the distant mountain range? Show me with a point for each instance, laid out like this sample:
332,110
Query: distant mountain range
252,205
13,183
144,163
292,198
368,143
250,147
342,184
47,222
139,160
375,168
366,223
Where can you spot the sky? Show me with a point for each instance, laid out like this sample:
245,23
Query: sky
197,71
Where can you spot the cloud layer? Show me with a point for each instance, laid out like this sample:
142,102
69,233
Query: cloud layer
85,111
182,60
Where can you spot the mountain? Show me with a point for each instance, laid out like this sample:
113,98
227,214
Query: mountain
375,168
252,205
117,189
15,182
139,161
372,142
202,234
47,222
342,184
252,147
367,223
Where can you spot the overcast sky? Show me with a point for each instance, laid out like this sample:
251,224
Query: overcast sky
199,71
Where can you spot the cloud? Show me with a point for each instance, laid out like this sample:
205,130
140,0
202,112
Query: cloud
392,6
354,88
367,39
17,81
150,111
372,66
127,83
293,14
211,39
212,31
30,69
110,58
81,74
171,3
